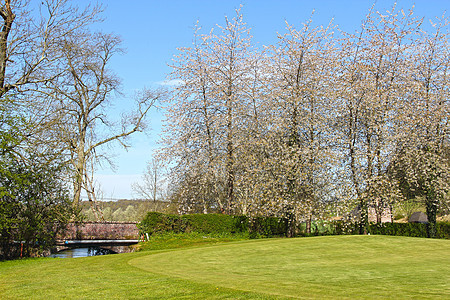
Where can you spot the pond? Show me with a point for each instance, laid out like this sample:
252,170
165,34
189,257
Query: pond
81,252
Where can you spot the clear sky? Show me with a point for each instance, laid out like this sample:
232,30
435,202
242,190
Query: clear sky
152,30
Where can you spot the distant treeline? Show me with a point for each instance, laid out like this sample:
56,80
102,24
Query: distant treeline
126,210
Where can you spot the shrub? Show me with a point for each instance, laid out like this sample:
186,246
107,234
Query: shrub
399,229
34,206
241,223
158,222
210,223
155,222
410,229
268,226
443,230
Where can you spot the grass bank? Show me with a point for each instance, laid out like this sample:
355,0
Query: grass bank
320,267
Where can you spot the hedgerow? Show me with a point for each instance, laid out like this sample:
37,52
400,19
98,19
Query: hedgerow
155,222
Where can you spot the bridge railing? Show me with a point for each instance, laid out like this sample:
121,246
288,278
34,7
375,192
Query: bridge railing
101,231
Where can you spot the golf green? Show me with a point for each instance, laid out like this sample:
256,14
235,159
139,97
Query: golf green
320,267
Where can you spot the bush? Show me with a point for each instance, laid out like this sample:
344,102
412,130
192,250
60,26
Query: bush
241,223
268,227
443,230
210,223
156,222
410,229
34,207
399,229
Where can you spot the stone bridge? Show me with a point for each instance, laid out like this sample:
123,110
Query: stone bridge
114,236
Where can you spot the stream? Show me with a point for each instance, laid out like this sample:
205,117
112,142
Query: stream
81,252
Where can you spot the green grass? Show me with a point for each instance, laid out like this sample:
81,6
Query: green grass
320,267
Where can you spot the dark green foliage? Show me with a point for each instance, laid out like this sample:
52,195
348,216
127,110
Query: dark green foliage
156,222
258,227
399,229
241,223
411,229
268,227
34,202
211,223
443,230
34,207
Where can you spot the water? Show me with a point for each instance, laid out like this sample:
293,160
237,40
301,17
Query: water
81,252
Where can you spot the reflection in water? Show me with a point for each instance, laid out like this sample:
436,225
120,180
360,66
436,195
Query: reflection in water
81,252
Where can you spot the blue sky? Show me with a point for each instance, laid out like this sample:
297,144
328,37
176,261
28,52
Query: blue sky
152,30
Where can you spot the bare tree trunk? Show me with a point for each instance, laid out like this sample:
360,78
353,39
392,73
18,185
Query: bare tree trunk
8,19
79,175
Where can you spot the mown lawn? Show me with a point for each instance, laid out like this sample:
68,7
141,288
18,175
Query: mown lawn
320,267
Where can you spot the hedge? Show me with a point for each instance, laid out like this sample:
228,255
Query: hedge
155,222
268,226
443,230
319,228
398,229
211,223
410,229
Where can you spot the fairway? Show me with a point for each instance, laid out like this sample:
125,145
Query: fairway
343,266
320,267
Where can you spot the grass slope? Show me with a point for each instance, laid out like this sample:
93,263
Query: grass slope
321,267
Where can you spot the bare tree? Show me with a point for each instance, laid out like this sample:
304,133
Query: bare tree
30,38
82,94
152,187
28,45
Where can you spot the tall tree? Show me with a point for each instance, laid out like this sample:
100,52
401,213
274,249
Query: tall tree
34,202
302,64
208,110
81,95
422,157
373,69
191,132
28,43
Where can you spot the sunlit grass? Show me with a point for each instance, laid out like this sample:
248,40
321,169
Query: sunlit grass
343,266
320,267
